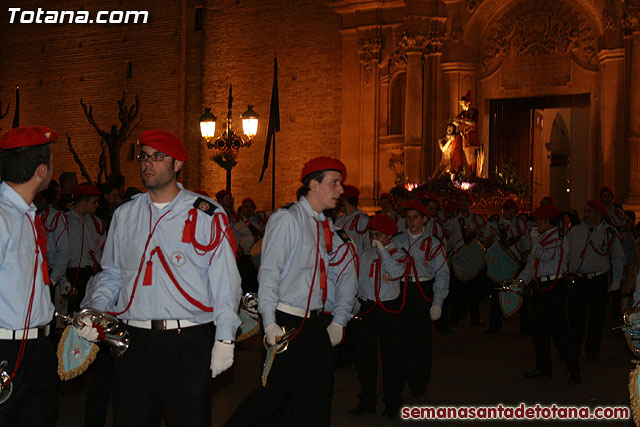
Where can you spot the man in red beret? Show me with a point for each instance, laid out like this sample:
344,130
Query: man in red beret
87,234
26,309
544,272
513,232
387,207
169,274
595,253
615,214
256,221
353,220
380,317
427,288
294,276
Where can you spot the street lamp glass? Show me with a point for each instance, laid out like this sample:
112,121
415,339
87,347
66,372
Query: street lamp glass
250,122
207,124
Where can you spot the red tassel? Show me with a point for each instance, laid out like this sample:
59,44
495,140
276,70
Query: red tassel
45,272
323,281
186,234
328,236
148,274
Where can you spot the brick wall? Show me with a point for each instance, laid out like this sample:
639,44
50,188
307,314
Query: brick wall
177,71
56,65
241,39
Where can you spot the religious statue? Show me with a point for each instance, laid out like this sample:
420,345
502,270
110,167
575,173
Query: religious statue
450,144
467,122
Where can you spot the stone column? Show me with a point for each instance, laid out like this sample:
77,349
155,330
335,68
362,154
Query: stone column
632,25
612,117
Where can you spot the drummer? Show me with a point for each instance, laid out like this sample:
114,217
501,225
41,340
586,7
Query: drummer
513,232
472,225
544,272
428,286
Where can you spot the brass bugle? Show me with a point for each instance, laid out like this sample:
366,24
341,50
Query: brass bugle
115,338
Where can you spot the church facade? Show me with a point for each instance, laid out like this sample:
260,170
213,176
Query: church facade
372,82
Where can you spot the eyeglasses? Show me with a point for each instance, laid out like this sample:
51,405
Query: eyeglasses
156,157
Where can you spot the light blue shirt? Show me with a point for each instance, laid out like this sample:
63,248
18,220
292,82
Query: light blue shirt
583,244
17,263
86,237
390,268
437,268
288,264
57,225
356,227
552,257
342,276
211,278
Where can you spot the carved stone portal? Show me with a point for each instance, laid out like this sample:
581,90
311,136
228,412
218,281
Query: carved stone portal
540,28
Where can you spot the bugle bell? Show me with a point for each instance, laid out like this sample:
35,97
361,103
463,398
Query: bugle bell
282,341
515,286
114,336
6,385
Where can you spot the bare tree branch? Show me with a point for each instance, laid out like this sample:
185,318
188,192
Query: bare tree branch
83,170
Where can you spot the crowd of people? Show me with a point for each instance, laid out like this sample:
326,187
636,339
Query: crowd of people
332,283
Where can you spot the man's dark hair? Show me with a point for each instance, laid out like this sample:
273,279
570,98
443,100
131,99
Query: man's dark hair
556,220
65,177
353,201
20,164
50,193
318,176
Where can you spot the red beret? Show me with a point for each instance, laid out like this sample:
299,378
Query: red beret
547,199
546,212
250,201
322,164
220,194
386,196
165,142
350,191
430,197
598,206
467,195
511,204
27,136
605,188
87,190
202,193
384,224
416,205
451,206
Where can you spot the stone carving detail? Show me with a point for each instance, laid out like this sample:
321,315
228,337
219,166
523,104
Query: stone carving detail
631,19
608,20
456,36
369,50
472,5
543,27
420,34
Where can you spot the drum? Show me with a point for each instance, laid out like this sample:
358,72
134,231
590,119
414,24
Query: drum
501,263
468,261
256,252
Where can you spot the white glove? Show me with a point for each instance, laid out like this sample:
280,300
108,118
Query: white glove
272,332
614,286
336,333
435,312
221,357
65,286
377,244
88,331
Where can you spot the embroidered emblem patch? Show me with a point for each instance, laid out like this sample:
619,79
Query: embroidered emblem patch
178,259
204,206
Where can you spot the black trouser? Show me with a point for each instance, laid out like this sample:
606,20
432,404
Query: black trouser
587,308
464,298
34,399
300,380
248,273
495,313
549,322
418,336
388,328
101,370
164,371
78,277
